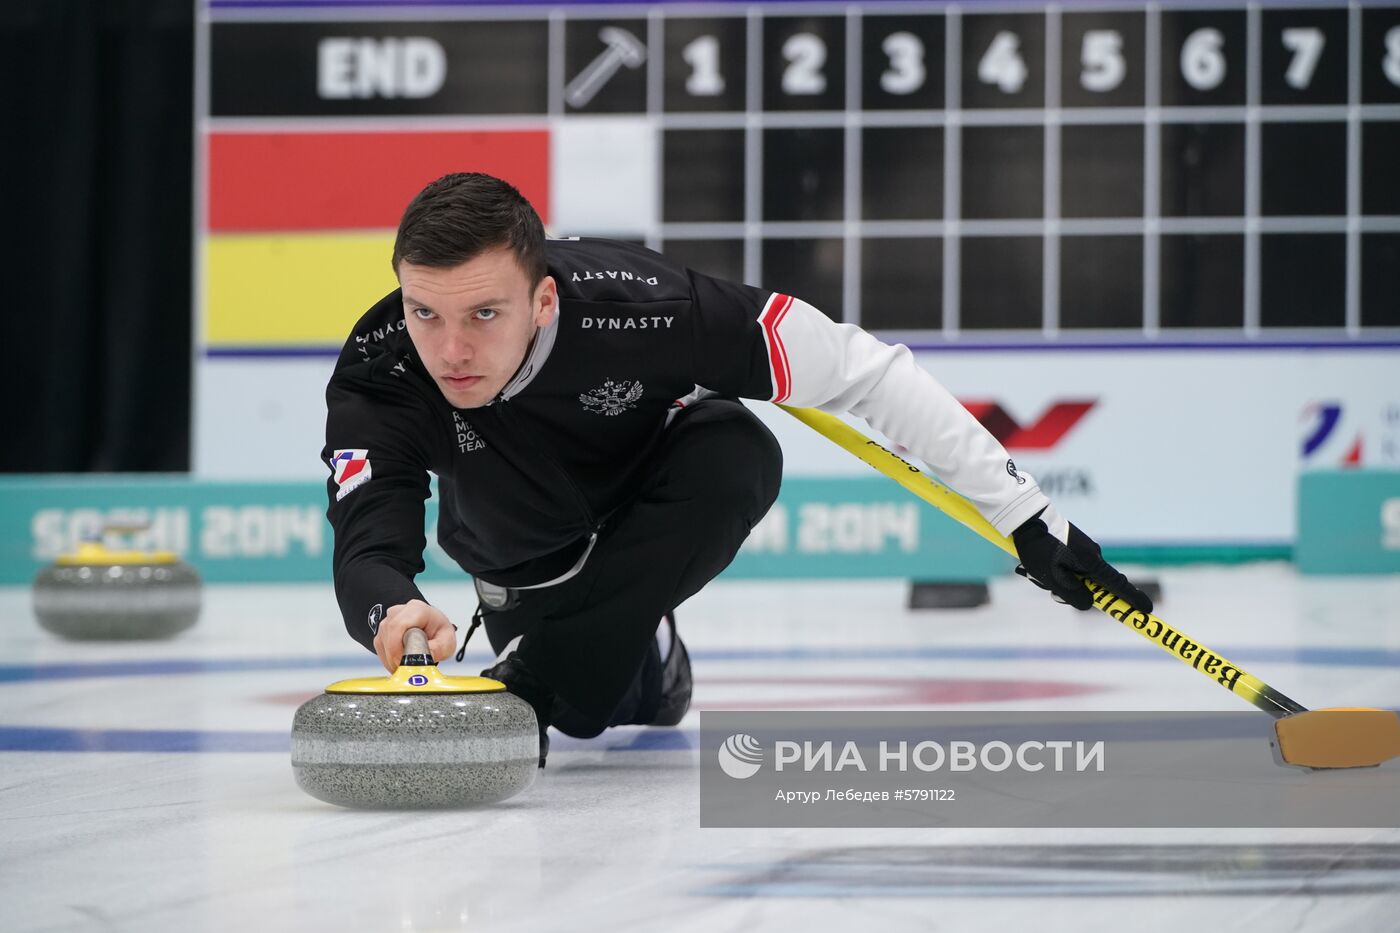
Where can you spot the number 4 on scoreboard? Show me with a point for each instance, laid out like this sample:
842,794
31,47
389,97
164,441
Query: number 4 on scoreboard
1002,65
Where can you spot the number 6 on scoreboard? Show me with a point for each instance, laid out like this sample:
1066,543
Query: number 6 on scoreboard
1202,59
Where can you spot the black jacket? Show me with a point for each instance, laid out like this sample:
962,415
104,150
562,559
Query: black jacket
524,480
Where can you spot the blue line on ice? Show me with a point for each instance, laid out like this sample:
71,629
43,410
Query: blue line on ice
1319,656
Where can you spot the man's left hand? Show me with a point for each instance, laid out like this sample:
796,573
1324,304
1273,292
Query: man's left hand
1061,566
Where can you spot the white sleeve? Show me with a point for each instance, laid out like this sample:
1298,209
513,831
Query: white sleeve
817,363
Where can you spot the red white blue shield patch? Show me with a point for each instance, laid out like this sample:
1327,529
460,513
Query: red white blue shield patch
351,468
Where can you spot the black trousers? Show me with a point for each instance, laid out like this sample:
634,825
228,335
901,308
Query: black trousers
714,476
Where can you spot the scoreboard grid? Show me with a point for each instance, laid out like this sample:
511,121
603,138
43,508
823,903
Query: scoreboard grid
824,206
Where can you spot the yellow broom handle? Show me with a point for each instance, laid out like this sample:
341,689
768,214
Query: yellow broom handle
1175,642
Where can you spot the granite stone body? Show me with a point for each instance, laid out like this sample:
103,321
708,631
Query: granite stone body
117,601
414,751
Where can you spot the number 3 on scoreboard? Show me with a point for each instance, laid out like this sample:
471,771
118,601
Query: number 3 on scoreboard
906,73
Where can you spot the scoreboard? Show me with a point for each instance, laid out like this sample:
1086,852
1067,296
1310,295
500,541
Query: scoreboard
935,171
1176,220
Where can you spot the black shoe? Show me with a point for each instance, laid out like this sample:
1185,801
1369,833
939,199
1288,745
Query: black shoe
675,681
520,681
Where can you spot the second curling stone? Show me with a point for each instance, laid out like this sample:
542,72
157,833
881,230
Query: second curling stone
101,593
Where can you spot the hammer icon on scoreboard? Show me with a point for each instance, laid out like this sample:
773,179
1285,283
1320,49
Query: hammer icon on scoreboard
623,49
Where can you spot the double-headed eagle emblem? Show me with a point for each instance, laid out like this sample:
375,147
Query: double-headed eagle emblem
612,398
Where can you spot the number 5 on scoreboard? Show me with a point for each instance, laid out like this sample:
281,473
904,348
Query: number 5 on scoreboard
1102,58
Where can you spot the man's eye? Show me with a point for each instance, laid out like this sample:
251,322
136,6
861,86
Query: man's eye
423,314
486,314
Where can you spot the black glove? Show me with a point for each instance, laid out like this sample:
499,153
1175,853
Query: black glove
1061,568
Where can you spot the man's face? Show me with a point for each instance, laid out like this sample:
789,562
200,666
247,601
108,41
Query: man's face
472,323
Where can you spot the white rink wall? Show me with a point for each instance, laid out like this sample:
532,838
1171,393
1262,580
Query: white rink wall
1179,446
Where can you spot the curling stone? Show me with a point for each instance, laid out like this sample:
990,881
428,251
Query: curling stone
415,740
96,592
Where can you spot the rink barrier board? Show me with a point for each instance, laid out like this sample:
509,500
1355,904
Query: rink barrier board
1349,522
840,527
276,532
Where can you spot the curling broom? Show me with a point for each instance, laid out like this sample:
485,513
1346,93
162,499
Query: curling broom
1324,738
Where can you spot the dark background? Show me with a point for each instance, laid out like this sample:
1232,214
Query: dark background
98,169
98,198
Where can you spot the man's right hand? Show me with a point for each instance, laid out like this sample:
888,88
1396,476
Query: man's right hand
388,641
1061,566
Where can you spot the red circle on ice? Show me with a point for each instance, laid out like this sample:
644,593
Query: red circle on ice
871,692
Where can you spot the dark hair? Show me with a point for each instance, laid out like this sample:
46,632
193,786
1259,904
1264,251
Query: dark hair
463,215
